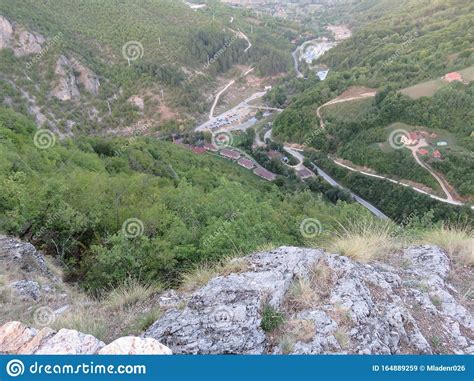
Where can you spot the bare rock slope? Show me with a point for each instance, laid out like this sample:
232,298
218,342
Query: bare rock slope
311,302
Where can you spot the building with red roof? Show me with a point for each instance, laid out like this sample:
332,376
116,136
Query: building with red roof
210,147
246,163
274,154
437,154
423,151
304,173
230,154
199,150
264,174
453,77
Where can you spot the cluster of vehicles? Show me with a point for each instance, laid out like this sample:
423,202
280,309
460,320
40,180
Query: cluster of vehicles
224,121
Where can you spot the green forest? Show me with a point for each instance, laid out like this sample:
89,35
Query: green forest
180,56
73,199
393,46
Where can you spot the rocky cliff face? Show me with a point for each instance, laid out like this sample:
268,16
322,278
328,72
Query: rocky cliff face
21,41
6,32
70,73
289,300
312,302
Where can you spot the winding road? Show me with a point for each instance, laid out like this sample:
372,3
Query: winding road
449,198
299,156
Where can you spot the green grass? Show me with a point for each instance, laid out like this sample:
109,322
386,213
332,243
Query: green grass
272,319
431,87
424,89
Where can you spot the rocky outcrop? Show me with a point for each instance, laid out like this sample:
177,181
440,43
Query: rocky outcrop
137,101
225,315
328,304
6,33
20,40
16,338
28,43
66,87
70,73
86,78
131,345
23,256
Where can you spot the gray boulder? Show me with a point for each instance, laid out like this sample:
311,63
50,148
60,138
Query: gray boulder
349,307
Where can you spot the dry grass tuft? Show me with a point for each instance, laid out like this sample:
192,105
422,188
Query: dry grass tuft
365,241
341,315
201,275
300,296
458,242
321,279
342,338
124,311
234,266
198,277
129,294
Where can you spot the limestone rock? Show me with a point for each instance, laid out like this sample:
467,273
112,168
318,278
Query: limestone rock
16,338
14,335
225,315
376,308
137,102
67,82
135,346
87,77
27,289
70,342
28,43
6,32
21,41
25,256
66,88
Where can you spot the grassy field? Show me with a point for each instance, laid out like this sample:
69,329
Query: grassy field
424,89
350,109
430,88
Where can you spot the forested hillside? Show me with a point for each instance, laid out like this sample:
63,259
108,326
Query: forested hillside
394,46
84,200
160,50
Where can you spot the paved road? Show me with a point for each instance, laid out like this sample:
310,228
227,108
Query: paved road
241,109
448,200
452,202
334,183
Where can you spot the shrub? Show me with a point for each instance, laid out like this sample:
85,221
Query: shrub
271,318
